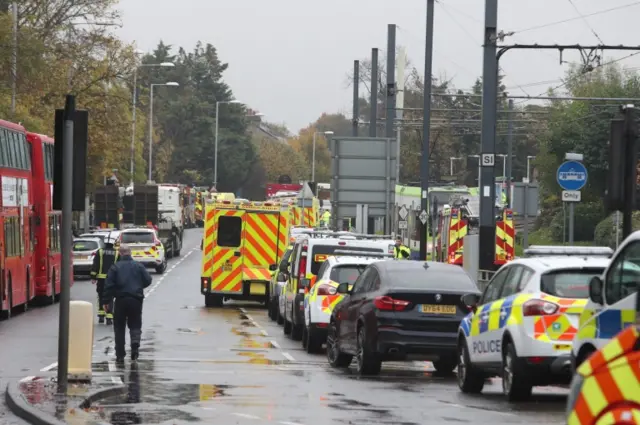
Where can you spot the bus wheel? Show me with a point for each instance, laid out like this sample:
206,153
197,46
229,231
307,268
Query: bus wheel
7,313
53,287
26,304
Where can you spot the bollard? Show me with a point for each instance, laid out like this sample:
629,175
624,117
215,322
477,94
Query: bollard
80,340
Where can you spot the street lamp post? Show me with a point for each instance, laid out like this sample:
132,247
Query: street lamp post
133,117
170,84
529,158
504,165
451,159
313,153
215,158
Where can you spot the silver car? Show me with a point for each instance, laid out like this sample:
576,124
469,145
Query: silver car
84,251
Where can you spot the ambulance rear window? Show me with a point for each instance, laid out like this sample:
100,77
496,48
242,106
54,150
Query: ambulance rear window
320,253
137,237
229,231
569,283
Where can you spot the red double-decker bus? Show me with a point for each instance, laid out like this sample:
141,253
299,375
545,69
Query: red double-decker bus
48,222
17,237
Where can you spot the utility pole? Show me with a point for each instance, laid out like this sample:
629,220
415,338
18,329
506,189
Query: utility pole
356,99
509,151
426,129
391,80
401,63
630,176
373,113
14,58
488,138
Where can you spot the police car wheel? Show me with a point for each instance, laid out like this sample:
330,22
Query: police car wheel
367,361
469,379
313,344
336,358
515,385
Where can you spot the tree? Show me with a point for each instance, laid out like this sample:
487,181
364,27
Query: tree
186,115
582,127
278,159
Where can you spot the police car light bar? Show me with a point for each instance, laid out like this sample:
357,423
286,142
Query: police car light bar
361,253
590,251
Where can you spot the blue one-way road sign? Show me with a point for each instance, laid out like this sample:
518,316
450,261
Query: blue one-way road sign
572,175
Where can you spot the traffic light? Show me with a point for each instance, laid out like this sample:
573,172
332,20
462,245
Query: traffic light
614,195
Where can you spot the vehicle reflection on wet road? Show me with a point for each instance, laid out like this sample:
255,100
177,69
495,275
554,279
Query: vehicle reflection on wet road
233,365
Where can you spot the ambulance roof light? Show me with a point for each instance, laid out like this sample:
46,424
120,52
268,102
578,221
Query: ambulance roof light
361,253
573,251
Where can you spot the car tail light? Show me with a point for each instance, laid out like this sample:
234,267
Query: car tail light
302,267
325,289
389,304
539,308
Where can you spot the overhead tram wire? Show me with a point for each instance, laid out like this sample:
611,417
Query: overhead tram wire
473,38
585,21
600,12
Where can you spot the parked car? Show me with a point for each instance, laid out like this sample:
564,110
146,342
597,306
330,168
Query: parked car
400,310
84,250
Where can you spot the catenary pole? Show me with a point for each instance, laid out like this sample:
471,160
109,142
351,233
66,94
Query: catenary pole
488,137
356,98
426,127
373,113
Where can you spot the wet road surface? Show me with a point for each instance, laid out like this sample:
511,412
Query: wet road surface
234,366
29,341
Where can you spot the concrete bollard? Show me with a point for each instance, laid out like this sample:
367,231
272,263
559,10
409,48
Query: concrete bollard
80,340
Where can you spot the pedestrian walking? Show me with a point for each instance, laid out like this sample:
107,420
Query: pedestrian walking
126,282
102,262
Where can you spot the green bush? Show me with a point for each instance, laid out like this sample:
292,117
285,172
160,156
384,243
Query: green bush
587,216
605,235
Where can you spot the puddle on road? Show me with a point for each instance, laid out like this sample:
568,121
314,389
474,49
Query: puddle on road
193,331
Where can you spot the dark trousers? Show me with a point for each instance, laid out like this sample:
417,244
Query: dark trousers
100,290
128,313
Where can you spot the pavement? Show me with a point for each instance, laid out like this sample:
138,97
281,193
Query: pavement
232,365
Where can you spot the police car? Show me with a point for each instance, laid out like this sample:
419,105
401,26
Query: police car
344,267
612,301
522,326
145,246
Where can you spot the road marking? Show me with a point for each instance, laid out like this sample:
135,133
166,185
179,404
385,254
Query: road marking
48,368
27,379
275,344
289,423
150,290
244,415
263,332
112,368
288,356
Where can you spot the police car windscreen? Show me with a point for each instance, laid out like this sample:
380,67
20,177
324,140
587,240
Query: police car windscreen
79,246
568,283
346,274
432,279
320,253
137,237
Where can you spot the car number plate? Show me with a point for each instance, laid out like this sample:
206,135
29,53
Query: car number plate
438,309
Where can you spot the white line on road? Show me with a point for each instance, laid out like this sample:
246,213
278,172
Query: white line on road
288,356
113,369
48,368
27,379
244,415
263,332
275,343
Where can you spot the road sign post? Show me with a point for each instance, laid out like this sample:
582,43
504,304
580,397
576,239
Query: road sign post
572,177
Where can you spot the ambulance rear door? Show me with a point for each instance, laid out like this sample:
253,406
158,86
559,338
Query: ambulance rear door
228,251
260,249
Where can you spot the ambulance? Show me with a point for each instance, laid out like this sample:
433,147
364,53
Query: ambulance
243,242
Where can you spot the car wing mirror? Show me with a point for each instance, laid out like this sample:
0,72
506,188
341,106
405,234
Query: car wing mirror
343,288
471,301
595,290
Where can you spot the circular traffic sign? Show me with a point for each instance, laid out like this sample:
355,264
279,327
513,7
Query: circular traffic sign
572,175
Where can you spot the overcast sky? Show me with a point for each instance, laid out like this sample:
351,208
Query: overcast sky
289,59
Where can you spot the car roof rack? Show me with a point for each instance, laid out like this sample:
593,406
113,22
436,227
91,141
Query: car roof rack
572,251
356,253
